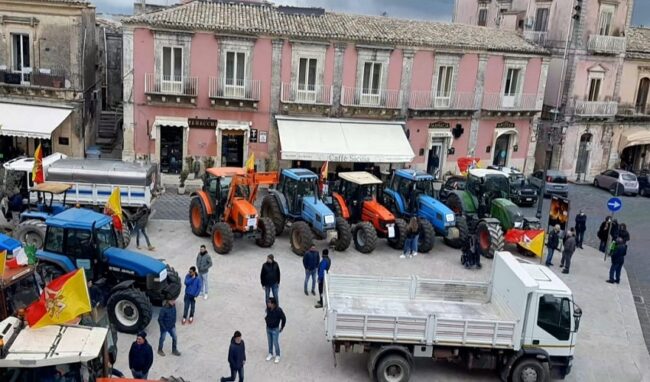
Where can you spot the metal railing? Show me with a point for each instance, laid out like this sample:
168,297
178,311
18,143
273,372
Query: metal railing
292,92
500,101
536,37
171,85
606,44
427,100
235,89
633,109
45,77
596,108
380,98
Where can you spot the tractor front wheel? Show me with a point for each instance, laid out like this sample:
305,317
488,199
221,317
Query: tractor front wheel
427,236
130,310
344,235
271,209
463,233
222,238
398,240
265,233
301,238
490,238
198,217
365,237
31,232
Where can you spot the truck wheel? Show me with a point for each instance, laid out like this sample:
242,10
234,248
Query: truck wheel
301,238
265,233
126,234
463,233
344,235
397,242
365,237
490,237
530,370
393,368
129,310
31,231
198,217
222,238
427,236
48,272
271,209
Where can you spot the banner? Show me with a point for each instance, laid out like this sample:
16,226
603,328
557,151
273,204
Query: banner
559,213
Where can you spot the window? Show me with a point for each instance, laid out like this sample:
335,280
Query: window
605,20
512,82
443,91
78,244
54,239
371,78
541,20
20,51
235,66
594,89
482,17
106,238
642,95
307,74
554,316
172,69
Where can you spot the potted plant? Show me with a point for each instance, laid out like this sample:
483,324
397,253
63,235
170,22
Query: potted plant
183,178
208,162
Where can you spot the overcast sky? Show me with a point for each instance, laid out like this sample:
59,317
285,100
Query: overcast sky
439,10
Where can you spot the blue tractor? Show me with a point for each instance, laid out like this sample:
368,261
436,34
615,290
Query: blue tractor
410,193
129,281
295,200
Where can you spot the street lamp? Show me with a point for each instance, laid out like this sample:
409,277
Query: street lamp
550,135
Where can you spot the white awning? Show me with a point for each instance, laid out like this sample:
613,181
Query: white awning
634,137
31,121
341,140
168,121
233,125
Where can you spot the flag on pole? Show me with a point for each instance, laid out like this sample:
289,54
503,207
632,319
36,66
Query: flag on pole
250,162
37,169
3,259
530,240
323,170
114,208
63,299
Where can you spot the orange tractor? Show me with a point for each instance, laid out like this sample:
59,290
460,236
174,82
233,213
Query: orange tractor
224,208
354,197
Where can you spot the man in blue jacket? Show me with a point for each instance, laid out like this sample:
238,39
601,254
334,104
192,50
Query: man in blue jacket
167,322
140,356
192,290
323,268
310,262
618,258
236,358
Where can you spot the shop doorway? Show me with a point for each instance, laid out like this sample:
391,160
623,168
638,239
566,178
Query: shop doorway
582,165
635,158
232,148
501,150
435,160
171,149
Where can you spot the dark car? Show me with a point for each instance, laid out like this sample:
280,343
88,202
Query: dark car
522,192
452,183
644,185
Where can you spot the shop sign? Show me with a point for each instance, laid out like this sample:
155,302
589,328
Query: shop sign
505,125
439,125
200,123
440,134
253,136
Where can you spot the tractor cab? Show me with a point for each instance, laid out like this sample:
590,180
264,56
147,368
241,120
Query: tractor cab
216,183
296,185
411,185
486,186
356,188
18,289
42,198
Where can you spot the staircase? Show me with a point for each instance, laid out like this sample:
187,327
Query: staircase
108,130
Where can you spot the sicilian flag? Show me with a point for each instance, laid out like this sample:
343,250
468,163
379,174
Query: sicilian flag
323,170
62,300
530,240
250,163
466,163
37,170
113,208
3,260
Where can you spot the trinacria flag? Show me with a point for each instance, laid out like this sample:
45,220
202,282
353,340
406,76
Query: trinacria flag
37,170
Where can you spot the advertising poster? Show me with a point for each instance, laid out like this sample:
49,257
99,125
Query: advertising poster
559,213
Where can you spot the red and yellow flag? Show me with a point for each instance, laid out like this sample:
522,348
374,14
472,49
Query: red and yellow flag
3,259
465,163
250,162
530,240
63,299
37,170
113,208
323,170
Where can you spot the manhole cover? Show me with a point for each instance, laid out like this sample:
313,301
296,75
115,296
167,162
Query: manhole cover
638,299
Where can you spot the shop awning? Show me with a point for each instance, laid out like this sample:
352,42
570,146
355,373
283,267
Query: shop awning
233,125
634,137
31,121
343,140
168,121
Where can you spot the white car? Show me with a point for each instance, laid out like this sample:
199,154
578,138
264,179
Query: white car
618,180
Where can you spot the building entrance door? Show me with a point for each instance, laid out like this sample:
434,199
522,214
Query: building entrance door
435,158
501,150
171,149
583,155
232,148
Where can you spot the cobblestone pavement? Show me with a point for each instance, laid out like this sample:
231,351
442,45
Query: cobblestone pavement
236,303
171,206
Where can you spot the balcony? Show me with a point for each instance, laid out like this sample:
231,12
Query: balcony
314,94
535,37
178,89
427,100
518,103
630,111
36,82
606,44
375,98
235,93
600,109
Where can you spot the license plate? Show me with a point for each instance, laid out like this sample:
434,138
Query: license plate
529,199
391,230
252,222
557,187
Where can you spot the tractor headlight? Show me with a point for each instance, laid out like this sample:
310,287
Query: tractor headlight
450,218
162,276
329,219
519,224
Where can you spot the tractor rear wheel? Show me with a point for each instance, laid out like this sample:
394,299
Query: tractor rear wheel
126,234
265,233
271,209
130,310
31,232
490,238
365,237
301,238
463,233
336,207
198,217
343,235
427,236
455,204
398,240
222,238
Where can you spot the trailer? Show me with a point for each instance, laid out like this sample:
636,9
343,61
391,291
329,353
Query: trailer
523,323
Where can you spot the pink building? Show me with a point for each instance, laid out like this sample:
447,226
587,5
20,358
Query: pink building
299,86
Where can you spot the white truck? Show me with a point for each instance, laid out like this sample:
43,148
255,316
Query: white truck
523,323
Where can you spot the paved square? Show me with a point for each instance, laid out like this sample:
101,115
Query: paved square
610,345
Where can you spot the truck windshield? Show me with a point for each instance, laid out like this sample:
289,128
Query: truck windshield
106,237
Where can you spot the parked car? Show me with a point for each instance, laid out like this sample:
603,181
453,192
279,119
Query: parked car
556,183
613,179
522,193
452,183
644,185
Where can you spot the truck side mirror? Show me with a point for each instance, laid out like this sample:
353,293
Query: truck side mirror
577,314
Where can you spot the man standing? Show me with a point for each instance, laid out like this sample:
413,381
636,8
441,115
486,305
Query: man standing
167,322
275,321
192,290
140,356
552,244
310,262
236,358
618,258
270,278
581,227
323,268
141,218
603,233
203,264
568,250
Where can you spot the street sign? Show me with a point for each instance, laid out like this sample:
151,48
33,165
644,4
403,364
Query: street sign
614,204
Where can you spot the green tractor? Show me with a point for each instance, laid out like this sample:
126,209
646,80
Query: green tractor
486,206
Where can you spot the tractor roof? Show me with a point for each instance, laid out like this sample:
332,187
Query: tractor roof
482,172
360,177
78,218
53,188
413,174
505,170
220,172
299,173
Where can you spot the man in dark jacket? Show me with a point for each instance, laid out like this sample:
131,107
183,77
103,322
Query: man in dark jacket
618,258
603,233
552,244
236,358
167,322
140,357
310,262
270,278
568,250
203,264
581,227
323,268
192,290
614,231
623,233
275,322
141,218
